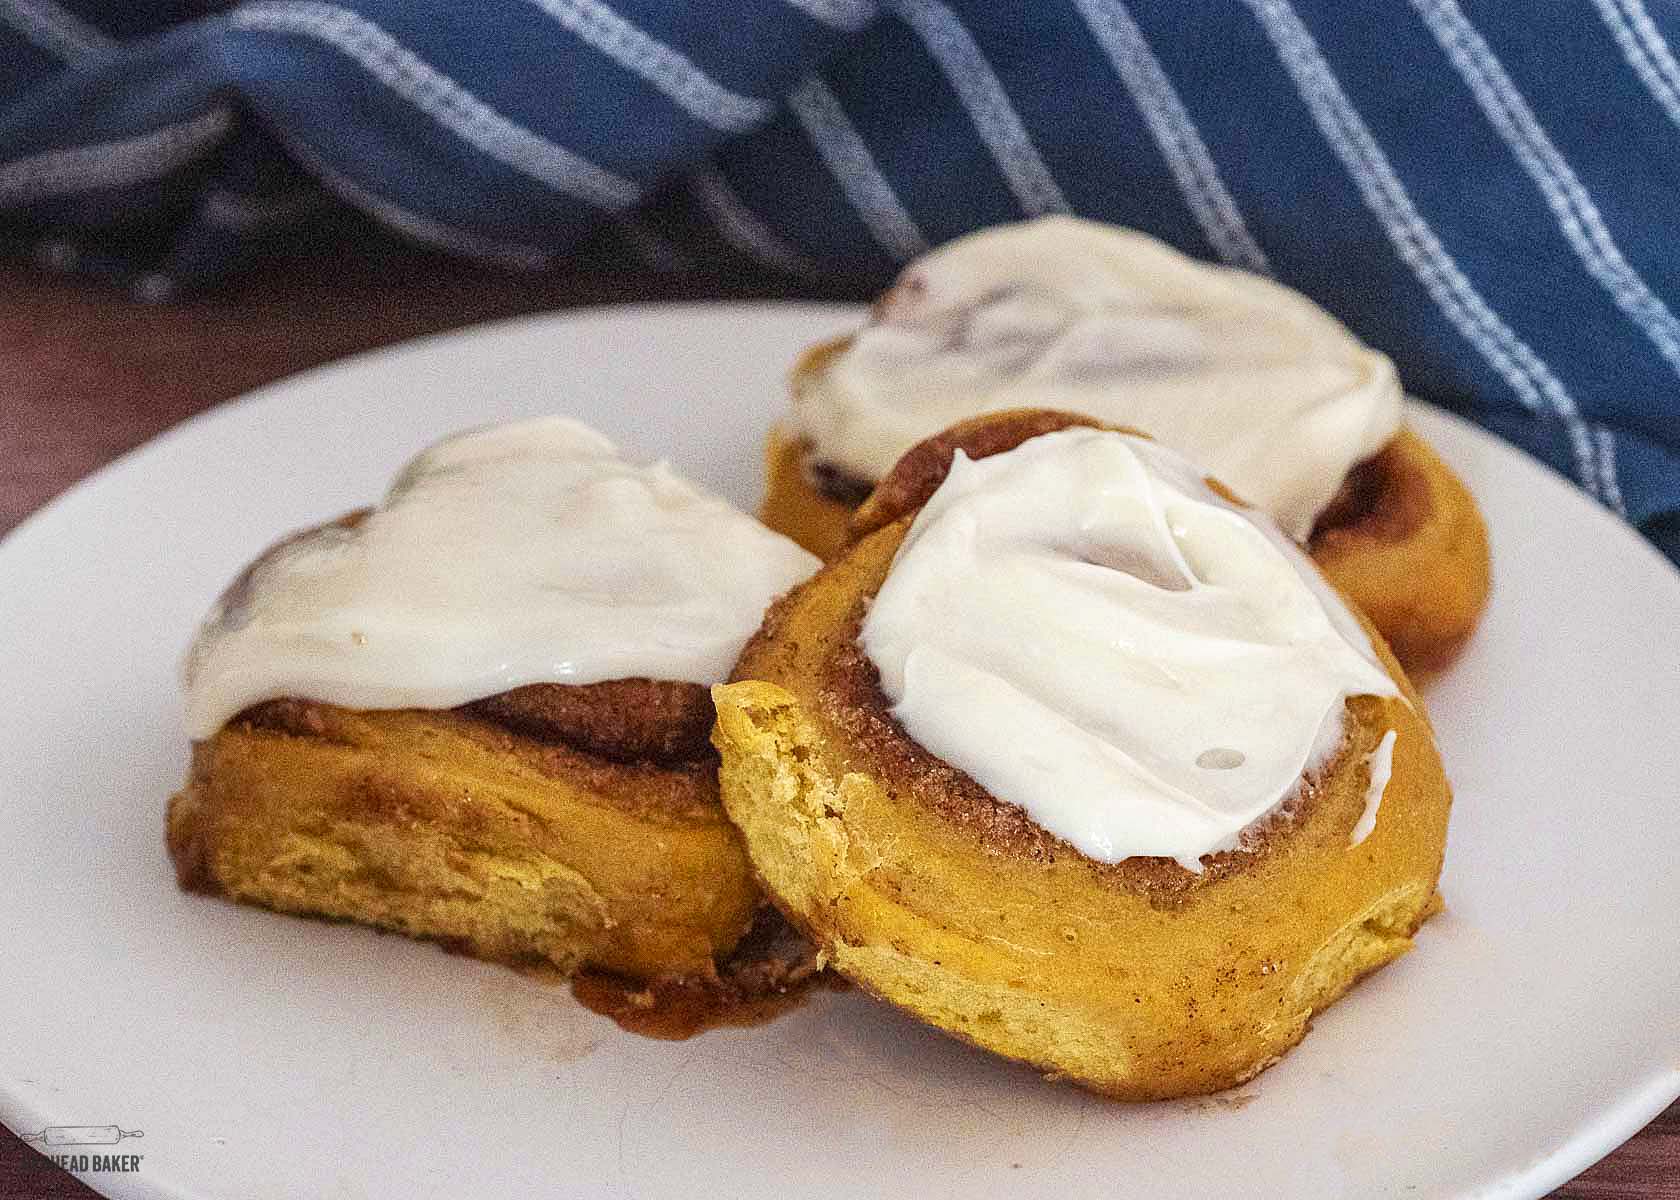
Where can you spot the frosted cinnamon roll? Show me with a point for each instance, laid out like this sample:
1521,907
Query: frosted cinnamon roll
1075,756
479,712
1263,389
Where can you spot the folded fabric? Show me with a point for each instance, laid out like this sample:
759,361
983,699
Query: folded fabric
1485,191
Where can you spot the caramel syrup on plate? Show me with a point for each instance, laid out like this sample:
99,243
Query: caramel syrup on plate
771,971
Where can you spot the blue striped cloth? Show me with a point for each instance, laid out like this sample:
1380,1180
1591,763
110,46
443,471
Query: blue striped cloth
1490,192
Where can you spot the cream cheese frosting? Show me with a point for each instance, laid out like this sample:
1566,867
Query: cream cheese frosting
516,554
1269,393
1382,767
1089,631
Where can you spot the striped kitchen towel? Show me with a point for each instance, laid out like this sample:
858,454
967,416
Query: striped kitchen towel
1490,192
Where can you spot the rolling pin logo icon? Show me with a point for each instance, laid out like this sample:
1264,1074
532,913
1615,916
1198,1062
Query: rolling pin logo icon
83,1135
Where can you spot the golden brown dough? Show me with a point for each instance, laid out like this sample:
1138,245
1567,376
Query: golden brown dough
1138,979
459,826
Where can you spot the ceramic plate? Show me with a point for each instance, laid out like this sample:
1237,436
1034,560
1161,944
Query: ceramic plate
1533,1030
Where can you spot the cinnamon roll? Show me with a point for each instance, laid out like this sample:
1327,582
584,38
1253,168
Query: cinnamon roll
1076,757
479,713
1260,387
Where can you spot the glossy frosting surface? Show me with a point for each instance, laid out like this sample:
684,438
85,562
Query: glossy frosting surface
1382,769
515,554
1265,390
1089,631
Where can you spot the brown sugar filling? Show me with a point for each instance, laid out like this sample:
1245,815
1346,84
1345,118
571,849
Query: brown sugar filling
1380,499
628,722
835,483
625,720
771,970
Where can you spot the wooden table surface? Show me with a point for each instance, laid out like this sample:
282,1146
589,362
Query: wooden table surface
86,374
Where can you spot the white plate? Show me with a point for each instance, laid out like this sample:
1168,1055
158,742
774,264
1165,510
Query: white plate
1534,1029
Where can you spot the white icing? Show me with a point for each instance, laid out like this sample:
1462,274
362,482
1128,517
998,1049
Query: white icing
1265,390
1091,632
1382,768
522,553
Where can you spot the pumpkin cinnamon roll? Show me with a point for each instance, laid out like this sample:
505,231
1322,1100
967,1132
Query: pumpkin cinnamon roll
1256,384
1078,758
479,712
